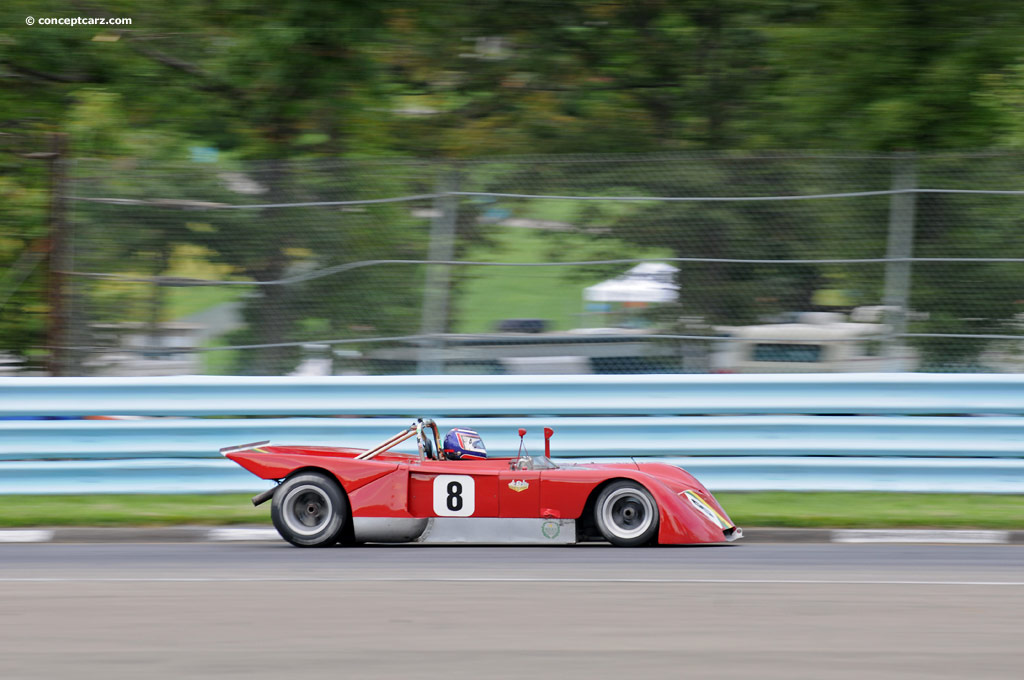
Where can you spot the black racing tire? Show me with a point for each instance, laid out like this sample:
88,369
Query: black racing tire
310,510
626,514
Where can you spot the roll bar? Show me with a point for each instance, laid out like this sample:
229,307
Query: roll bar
414,430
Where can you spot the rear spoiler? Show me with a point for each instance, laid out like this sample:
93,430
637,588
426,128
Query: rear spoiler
240,447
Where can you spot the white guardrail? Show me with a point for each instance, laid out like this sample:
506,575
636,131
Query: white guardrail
907,432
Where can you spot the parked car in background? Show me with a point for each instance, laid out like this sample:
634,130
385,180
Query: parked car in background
810,342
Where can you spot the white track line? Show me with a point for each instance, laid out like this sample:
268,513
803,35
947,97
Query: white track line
918,536
243,534
25,535
497,579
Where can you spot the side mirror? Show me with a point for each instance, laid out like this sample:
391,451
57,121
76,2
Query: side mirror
519,456
547,441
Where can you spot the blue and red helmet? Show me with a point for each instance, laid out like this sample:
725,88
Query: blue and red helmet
462,443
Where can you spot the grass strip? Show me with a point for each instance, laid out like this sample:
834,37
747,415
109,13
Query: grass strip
840,510
131,510
869,510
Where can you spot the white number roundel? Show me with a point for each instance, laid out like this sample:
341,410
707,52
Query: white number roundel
454,496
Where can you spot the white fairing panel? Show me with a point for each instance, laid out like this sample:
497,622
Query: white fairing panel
519,530
388,529
440,530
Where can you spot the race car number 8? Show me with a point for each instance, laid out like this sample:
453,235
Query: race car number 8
454,496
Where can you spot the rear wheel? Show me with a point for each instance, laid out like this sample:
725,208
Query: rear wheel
626,514
309,510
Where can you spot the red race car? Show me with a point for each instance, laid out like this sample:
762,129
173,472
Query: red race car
451,492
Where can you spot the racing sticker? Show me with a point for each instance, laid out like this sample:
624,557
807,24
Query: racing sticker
454,496
705,509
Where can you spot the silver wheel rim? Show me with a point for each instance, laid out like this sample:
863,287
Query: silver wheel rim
627,513
307,510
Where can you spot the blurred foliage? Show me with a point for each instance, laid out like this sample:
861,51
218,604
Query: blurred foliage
291,80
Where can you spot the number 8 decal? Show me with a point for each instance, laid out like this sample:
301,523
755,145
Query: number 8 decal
454,496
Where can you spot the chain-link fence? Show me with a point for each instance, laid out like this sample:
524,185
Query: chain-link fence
614,264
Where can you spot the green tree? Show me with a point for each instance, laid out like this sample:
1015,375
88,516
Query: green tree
901,75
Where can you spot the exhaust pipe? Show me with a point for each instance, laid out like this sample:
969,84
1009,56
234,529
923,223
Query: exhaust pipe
263,496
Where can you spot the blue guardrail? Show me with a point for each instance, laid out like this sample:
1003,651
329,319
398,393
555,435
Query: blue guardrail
896,432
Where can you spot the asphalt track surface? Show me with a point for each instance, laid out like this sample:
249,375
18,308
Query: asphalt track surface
764,611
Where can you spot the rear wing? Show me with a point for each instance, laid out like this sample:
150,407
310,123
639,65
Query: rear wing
242,447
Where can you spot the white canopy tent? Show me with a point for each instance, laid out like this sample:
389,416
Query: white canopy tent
646,282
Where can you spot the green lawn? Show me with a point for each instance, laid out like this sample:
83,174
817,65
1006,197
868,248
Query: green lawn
863,510
221,362
182,302
486,295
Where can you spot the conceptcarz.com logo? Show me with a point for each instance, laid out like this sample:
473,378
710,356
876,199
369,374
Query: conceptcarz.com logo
79,21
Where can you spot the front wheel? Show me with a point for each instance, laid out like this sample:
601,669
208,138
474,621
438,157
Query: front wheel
309,510
626,514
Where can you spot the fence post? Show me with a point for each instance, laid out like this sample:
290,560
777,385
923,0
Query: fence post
58,262
437,284
896,297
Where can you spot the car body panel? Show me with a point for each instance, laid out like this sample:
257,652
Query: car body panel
386,496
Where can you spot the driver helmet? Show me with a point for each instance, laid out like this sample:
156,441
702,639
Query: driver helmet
462,443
